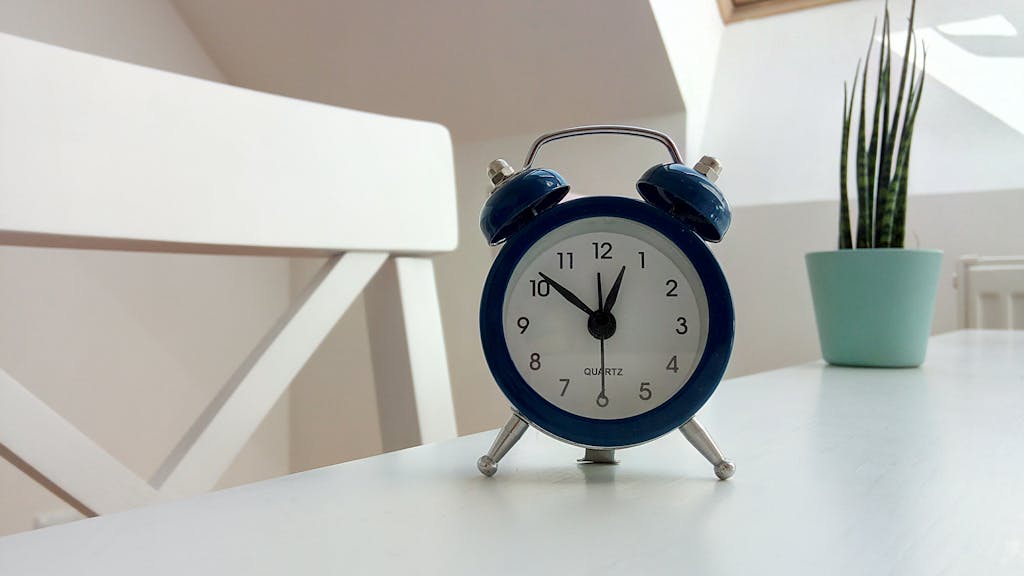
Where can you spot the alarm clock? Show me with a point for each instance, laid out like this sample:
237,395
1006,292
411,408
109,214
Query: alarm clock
606,321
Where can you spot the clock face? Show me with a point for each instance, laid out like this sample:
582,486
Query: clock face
605,318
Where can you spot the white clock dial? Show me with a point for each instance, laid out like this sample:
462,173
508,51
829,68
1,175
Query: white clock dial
562,341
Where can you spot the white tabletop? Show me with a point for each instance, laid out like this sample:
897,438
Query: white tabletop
840,471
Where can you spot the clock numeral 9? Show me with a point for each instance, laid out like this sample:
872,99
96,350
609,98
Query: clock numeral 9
535,361
523,324
540,288
683,328
645,391
672,285
566,387
563,259
602,250
673,365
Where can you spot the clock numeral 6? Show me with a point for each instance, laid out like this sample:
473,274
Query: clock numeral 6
535,361
566,386
540,288
683,328
523,324
645,391
673,365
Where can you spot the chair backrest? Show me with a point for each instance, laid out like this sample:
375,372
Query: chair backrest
96,153
991,292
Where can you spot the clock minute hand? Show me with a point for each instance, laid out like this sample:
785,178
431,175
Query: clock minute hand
572,298
613,294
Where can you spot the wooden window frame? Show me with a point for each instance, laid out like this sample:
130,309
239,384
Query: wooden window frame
762,8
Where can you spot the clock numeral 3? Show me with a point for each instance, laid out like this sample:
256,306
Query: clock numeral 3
563,259
645,391
566,386
673,365
602,250
535,361
683,328
672,285
540,288
523,324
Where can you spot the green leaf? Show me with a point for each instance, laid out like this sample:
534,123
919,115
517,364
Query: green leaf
864,191
881,93
845,237
903,162
889,156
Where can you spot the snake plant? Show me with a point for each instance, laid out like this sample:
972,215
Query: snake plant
882,157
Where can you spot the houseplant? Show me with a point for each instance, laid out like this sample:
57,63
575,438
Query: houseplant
873,298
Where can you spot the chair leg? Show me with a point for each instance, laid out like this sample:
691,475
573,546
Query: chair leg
54,453
428,359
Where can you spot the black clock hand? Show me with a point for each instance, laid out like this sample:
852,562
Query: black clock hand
572,298
602,399
613,294
600,306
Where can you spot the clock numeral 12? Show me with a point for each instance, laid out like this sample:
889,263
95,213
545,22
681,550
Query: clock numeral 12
563,259
602,250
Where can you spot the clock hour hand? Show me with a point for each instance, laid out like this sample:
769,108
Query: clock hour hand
572,298
613,294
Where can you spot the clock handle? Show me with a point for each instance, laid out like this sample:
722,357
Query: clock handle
673,151
507,438
702,441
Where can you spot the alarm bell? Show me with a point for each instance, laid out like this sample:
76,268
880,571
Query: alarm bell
688,194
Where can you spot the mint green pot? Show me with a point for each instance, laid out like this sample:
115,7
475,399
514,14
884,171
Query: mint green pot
874,306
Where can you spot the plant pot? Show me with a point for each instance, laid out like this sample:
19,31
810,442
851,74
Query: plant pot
874,306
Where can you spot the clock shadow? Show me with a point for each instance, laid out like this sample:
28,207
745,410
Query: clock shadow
600,474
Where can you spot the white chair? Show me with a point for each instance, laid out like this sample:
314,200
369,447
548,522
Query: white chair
990,292
231,171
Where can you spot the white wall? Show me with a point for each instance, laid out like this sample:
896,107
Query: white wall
332,402
776,109
691,32
130,347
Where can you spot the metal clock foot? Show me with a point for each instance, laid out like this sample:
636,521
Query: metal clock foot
598,456
701,440
507,438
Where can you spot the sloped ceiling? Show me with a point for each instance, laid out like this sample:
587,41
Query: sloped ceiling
482,68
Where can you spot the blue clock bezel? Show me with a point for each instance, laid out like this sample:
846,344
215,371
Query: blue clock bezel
593,432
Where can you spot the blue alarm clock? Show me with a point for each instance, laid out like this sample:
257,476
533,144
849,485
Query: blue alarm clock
606,321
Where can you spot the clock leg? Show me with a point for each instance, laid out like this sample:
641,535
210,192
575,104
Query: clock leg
507,438
598,456
701,440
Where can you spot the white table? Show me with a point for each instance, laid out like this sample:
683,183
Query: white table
840,471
